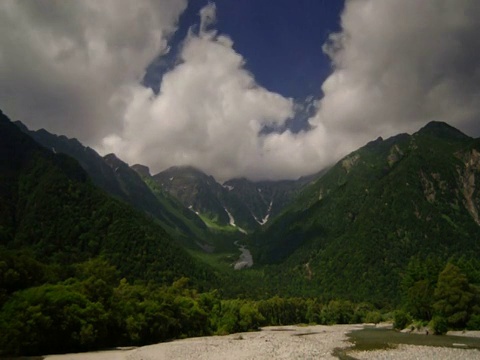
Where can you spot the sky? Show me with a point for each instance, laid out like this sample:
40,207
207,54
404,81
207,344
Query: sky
250,88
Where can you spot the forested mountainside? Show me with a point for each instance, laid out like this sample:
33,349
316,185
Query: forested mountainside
394,225
49,206
116,178
187,203
354,232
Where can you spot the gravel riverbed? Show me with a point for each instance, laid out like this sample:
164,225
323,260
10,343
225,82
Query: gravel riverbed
284,342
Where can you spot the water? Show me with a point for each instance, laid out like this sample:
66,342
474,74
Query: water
378,339
245,260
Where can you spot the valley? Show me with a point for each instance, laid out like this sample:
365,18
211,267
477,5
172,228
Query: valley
388,232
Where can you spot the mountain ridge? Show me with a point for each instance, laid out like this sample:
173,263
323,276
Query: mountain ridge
377,208
49,205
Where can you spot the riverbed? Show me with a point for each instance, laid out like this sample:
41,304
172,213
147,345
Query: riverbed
281,342
245,260
374,343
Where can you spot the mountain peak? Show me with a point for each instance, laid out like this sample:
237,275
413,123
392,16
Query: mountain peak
184,170
442,130
113,161
20,125
141,169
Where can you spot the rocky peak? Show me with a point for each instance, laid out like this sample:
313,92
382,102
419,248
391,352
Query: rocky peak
442,130
141,170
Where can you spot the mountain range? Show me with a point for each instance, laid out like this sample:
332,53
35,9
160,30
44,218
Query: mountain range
349,231
353,232
51,210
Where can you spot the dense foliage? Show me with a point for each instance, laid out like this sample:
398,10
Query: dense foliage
392,226
93,309
49,205
353,233
445,299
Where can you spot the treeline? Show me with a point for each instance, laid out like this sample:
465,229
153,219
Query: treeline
94,309
442,297
48,309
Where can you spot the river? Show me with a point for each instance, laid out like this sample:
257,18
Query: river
245,260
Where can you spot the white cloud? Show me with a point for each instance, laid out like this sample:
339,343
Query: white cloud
74,68
62,62
208,16
400,64
208,113
397,65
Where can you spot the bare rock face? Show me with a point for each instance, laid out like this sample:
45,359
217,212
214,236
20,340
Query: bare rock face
467,180
350,161
428,188
395,155
142,170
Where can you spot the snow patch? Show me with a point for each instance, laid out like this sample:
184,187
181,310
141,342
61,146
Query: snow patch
192,209
232,220
241,230
172,178
54,151
228,187
267,216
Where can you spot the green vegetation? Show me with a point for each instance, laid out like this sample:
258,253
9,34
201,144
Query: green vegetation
353,233
390,229
445,301
93,309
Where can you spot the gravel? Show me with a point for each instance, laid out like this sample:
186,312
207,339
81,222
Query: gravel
285,342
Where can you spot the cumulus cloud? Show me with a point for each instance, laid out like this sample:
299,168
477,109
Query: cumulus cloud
400,64
396,66
62,62
209,113
75,68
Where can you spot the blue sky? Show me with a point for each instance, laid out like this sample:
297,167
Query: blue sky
243,88
281,41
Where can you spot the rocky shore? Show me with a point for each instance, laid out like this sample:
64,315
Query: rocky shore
285,342
407,352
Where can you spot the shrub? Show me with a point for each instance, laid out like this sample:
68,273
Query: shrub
439,325
401,319
373,317
474,322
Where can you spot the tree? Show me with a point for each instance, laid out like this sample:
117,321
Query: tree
401,319
454,297
420,299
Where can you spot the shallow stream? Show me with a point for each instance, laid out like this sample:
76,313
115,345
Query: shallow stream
371,338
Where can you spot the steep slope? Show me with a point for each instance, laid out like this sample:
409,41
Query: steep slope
116,178
266,199
246,204
195,190
353,232
190,223
49,205
203,195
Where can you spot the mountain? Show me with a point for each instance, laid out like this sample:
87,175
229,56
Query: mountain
182,199
352,233
266,199
50,207
195,190
116,178
241,203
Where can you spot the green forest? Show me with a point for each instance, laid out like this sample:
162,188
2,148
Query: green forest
80,270
52,309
